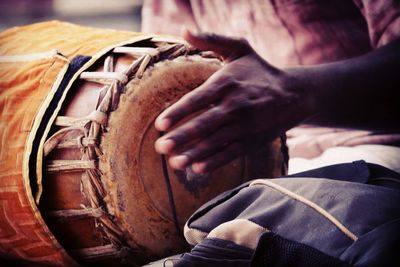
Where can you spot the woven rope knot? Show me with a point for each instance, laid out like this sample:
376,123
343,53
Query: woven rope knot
98,116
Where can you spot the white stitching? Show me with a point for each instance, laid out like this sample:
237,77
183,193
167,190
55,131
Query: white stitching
309,203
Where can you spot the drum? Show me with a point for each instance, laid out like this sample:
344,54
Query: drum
103,196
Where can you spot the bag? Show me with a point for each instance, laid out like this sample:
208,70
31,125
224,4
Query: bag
346,215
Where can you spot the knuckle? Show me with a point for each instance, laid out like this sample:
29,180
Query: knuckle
204,150
227,77
210,119
174,116
197,151
191,154
231,82
201,125
206,93
217,84
188,100
216,113
238,105
179,136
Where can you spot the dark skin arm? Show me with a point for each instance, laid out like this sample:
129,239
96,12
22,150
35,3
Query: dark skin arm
249,102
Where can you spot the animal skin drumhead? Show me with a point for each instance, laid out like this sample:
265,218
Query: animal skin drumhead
137,189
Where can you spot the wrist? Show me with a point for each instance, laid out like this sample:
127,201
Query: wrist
303,84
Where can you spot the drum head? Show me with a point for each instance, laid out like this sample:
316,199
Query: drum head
137,184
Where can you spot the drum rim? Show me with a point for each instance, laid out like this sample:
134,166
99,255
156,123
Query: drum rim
162,50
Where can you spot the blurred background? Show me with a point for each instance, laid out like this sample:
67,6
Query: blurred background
114,14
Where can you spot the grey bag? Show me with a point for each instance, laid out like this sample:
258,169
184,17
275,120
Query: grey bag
346,215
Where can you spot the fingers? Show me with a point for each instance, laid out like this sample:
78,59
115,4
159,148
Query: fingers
219,159
198,127
226,153
201,97
207,147
221,148
229,48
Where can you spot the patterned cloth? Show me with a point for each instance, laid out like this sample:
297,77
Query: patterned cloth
33,59
290,33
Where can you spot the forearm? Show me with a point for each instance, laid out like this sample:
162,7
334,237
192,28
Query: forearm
362,92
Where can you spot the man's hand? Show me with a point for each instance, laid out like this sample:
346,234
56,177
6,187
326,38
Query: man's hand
239,108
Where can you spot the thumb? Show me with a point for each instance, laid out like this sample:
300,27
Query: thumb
227,47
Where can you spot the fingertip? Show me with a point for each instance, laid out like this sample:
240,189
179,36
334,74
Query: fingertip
199,167
179,162
185,32
188,35
162,124
164,146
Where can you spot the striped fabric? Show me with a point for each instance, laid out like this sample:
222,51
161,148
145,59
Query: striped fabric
33,60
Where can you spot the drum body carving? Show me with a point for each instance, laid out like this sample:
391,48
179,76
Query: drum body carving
102,194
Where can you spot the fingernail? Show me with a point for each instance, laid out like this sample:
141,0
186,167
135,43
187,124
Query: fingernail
199,167
189,29
179,162
162,124
164,146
